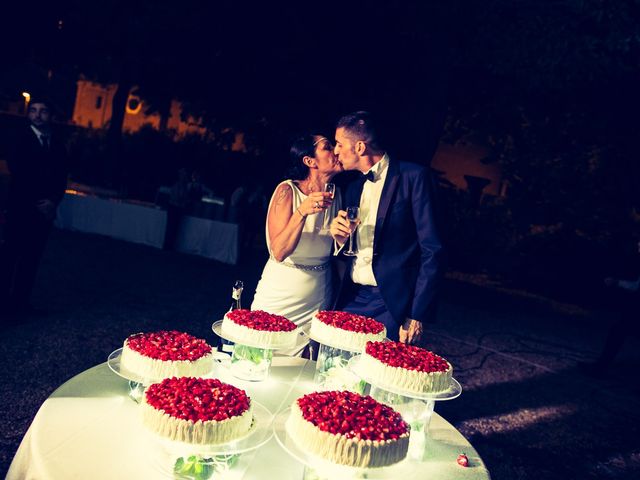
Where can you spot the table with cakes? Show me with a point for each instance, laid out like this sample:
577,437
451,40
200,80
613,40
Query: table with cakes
169,405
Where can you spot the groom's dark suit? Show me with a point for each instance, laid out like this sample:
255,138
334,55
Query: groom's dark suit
406,249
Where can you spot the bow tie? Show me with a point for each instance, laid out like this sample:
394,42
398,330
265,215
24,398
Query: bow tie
369,176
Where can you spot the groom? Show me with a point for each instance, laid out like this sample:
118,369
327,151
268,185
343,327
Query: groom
394,276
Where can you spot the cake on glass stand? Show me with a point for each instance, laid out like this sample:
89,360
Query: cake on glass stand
410,379
342,434
146,358
341,335
256,335
201,428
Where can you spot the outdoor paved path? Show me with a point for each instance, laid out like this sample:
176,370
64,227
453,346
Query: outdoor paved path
525,407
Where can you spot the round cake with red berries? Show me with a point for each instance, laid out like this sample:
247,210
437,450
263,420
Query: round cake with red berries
346,330
348,429
406,367
202,411
163,354
256,328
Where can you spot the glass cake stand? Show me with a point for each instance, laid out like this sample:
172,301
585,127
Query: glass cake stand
251,361
416,408
317,468
332,371
137,383
185,460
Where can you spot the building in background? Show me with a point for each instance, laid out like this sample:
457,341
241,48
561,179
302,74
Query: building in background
92,109
462,166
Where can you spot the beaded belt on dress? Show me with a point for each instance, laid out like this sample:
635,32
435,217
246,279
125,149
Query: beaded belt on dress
308,268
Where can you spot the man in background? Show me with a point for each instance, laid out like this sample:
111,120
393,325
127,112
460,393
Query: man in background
38,167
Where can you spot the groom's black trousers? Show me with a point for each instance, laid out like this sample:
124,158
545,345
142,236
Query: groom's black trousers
366,300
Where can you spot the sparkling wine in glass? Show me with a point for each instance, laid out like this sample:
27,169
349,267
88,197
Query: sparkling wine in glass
329,188
352,215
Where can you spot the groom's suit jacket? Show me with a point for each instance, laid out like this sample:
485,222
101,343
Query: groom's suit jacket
407,249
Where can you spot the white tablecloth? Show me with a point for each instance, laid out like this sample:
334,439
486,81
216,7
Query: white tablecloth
146,225
209,238
125,221
90,428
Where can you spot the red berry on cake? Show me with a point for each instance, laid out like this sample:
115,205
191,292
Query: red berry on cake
166,353
349,429
259,320
346,330
258,328
350,322
406,367
197,410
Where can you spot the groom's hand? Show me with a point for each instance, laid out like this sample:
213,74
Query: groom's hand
340,228
411,332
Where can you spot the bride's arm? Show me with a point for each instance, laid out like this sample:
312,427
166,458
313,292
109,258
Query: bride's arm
285,225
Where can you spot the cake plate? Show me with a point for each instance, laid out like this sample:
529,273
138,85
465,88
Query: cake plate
137,383
228,460
416,408
316,468
251,361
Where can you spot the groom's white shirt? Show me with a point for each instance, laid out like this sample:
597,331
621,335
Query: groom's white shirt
361,268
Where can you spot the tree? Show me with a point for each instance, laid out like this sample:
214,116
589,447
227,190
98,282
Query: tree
550,87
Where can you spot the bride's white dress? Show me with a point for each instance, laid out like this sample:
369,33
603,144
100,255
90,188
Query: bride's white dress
300,285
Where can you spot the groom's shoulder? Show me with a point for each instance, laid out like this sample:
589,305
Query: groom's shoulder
412,169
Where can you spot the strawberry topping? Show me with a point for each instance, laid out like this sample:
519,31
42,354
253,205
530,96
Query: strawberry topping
169,345
350,322
401,355
259,320
196,399
352,415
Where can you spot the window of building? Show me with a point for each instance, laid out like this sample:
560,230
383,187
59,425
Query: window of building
134,104
98,102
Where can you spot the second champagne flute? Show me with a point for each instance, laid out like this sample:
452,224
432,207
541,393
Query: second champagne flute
352,216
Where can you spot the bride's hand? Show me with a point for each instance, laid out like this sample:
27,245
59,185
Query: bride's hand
316,202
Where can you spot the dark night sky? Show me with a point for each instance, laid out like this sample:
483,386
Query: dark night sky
303,64
299,64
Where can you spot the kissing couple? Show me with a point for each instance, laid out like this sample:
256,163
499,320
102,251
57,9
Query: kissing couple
371,249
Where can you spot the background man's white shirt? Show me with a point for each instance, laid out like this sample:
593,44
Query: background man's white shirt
41,136
362,269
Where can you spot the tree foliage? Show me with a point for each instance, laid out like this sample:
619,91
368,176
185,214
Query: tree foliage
551,88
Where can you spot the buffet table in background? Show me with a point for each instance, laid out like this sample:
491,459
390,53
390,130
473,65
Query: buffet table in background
90,428
146,224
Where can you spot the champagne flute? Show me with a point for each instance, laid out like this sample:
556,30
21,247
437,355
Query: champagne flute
352,216
329,188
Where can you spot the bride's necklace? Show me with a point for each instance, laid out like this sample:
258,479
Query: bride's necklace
307,187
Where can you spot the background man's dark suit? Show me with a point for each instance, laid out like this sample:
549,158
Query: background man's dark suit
406,252
37,173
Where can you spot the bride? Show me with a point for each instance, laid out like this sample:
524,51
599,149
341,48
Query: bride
296,281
